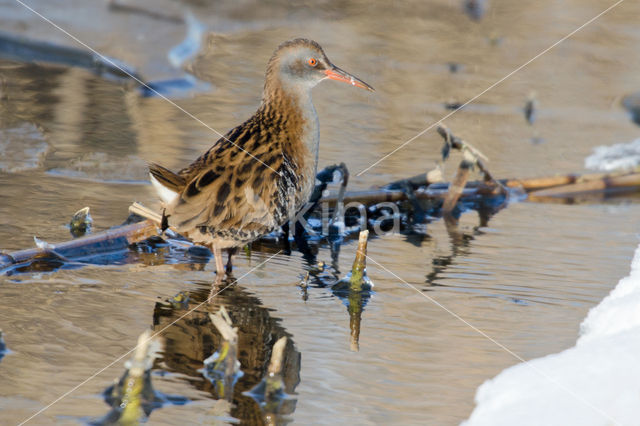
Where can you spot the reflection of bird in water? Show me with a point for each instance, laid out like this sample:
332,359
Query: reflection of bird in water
194,338
256,177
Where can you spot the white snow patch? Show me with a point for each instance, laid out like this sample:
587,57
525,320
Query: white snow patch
622,156
597,382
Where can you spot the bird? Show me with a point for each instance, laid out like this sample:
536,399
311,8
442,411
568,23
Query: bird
261,173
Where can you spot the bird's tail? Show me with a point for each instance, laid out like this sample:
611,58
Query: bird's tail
166,177
167,184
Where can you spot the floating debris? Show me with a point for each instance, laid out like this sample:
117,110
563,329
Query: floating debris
318,268
180,300
81,223
3,346
632,104
42,244
475,9
530,108
453,105
454,67
304,283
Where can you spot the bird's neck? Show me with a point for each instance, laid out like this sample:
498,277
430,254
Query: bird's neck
291,108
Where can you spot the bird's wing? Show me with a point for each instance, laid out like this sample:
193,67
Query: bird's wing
232,186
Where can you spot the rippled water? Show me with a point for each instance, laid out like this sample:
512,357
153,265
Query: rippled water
526,279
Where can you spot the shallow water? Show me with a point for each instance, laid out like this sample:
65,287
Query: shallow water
526,279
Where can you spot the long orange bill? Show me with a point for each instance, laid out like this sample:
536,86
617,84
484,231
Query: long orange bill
336,73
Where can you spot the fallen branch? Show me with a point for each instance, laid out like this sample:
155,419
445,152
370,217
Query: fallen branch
583,185
120,238
112,240
568,186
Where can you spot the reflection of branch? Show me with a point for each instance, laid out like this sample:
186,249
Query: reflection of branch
355,318
460,243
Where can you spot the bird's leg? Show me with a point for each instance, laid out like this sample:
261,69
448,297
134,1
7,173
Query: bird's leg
231,252
285,239
217,253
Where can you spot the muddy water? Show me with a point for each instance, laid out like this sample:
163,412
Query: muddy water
527,278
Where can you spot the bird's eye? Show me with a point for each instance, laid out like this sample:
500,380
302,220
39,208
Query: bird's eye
312,61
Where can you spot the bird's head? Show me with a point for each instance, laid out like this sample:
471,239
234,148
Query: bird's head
301,64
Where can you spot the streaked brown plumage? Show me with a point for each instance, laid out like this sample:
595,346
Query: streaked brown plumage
255,178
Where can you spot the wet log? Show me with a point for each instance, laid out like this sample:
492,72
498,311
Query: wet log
434,192
596,184
119,239
563,186
111,240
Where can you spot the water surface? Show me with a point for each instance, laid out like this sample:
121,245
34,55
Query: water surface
526,279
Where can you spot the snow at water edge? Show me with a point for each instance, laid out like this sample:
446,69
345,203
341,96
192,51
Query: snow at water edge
596,382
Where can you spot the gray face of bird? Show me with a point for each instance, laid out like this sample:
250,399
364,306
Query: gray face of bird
305,67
